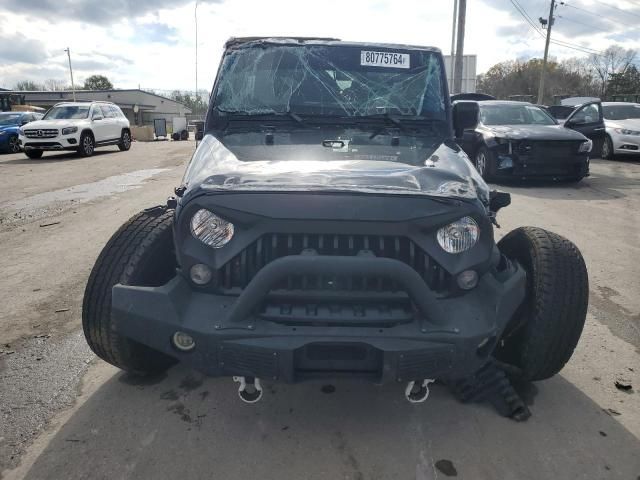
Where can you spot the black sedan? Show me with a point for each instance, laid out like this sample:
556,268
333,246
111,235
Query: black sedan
521,140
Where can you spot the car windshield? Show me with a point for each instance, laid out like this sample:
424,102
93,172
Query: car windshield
67,112
501,114
331,80
621,112
10,119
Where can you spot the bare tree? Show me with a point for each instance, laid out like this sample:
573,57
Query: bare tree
28,85
55,85
614,59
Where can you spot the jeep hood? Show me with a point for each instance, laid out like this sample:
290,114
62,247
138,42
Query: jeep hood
437,170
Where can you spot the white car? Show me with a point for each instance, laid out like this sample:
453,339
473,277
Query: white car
77,126
623,129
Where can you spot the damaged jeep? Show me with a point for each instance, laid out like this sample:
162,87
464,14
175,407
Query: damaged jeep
327,226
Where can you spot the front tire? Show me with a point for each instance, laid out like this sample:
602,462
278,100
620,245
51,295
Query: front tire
33,154
140,253
484,163
87,145
14,144
545,332
607,148
125,141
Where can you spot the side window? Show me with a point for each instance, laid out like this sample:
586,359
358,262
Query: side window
587,114
116,111
96,112
106,111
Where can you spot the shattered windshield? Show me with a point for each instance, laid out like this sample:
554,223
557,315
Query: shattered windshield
331,80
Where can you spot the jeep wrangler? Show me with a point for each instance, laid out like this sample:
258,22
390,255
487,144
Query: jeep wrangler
328,225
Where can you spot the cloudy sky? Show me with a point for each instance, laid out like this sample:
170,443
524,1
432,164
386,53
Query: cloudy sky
151,43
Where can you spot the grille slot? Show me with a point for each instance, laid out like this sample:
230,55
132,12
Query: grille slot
236,273
41,133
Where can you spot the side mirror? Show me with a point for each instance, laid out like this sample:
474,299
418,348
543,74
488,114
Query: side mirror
96,118
498,200
465,116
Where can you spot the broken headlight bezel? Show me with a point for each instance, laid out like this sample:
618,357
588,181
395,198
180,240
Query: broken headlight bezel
586,146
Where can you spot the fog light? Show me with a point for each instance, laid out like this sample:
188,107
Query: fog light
200,274
468,279
183,341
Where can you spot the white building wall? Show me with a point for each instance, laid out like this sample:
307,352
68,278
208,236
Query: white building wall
469,63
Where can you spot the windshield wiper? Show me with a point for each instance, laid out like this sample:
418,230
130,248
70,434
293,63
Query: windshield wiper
399,122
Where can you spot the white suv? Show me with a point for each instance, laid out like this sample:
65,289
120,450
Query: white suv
78,126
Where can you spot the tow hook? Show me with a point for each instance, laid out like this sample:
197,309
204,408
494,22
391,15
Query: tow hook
250,390
417,392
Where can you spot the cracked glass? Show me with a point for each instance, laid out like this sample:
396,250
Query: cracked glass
331,80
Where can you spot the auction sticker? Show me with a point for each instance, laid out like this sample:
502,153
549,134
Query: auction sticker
384,59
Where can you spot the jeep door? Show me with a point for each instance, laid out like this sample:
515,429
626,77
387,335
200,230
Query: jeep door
589,121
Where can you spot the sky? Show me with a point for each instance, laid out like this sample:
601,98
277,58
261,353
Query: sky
151,43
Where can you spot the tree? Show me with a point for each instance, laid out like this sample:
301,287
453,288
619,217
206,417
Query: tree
521,77
98,82
624,82
28,85
613,60
55,85
196,103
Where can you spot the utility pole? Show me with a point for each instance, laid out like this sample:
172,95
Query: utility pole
457,77
195,13
453,43
73,86
546,52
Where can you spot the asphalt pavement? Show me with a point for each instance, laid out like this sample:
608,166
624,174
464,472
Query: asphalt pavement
66,415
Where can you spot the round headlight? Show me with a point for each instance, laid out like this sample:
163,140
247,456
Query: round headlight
459,236
210,229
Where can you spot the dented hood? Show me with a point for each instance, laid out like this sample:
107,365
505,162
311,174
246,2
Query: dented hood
437,169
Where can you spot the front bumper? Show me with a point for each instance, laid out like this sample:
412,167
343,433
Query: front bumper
446,338
522,166
625,144
55,143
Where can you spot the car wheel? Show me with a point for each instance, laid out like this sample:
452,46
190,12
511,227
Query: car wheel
87,145
35,154
125,141
140,253
546,330
607,148
484,163
14,144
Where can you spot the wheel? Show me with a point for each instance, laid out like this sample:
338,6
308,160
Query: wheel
87,145
33,153
484,163
125,141
607,148
546,330
14,145
140,253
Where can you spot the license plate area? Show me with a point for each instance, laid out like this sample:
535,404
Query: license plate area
320,359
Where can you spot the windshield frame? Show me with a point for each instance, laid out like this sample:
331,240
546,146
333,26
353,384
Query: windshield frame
48,117
218,120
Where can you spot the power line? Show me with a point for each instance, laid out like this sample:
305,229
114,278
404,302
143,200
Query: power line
615,20
527,18
583,24
626,12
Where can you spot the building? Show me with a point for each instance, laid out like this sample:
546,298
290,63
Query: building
469,63
140,107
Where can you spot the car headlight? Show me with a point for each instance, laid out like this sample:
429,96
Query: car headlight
21,131
459,236
624,131
586,146
210,229
69,130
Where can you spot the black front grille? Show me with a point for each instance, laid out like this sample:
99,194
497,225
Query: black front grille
548,150
237,273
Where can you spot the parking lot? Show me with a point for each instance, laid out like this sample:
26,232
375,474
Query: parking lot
86,419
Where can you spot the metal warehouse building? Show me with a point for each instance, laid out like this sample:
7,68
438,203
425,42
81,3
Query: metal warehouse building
140,107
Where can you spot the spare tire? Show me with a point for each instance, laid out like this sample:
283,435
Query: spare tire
546,330
140,253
